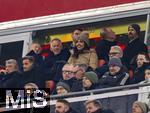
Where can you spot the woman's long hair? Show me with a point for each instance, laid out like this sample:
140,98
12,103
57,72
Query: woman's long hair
76,52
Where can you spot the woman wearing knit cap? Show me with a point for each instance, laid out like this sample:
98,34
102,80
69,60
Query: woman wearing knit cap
82,54
135,46
90,80
139,107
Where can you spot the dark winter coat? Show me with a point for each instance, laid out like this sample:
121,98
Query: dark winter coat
108,80
52,59
35,75
103,48
76,85
105,68
11,80
54,63
139,73
38,58
132,49
103,111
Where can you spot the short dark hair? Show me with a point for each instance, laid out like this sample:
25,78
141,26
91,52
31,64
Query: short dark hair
30,58
145,54
79,29
64,102
96,103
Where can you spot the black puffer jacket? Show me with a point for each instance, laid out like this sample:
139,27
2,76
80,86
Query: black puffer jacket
108,80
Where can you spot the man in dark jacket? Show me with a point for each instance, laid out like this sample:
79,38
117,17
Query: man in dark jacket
103,47
11,75
135,46
32,73
143,62
35,51
115,51
63,106
57,57
95,106
79,70
116,76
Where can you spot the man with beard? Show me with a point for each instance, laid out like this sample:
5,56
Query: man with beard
63,106
75,35
135,46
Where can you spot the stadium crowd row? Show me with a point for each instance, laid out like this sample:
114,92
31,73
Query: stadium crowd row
80,67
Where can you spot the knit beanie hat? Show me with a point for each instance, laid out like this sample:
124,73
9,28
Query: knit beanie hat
64,85
85,37
92,76
136,27
143,106
115,62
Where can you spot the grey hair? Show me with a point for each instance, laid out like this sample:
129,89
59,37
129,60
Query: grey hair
12,61
118,48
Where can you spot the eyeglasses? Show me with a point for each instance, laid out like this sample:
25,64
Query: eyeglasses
68,72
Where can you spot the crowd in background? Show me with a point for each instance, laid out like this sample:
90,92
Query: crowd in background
80,67
95,106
